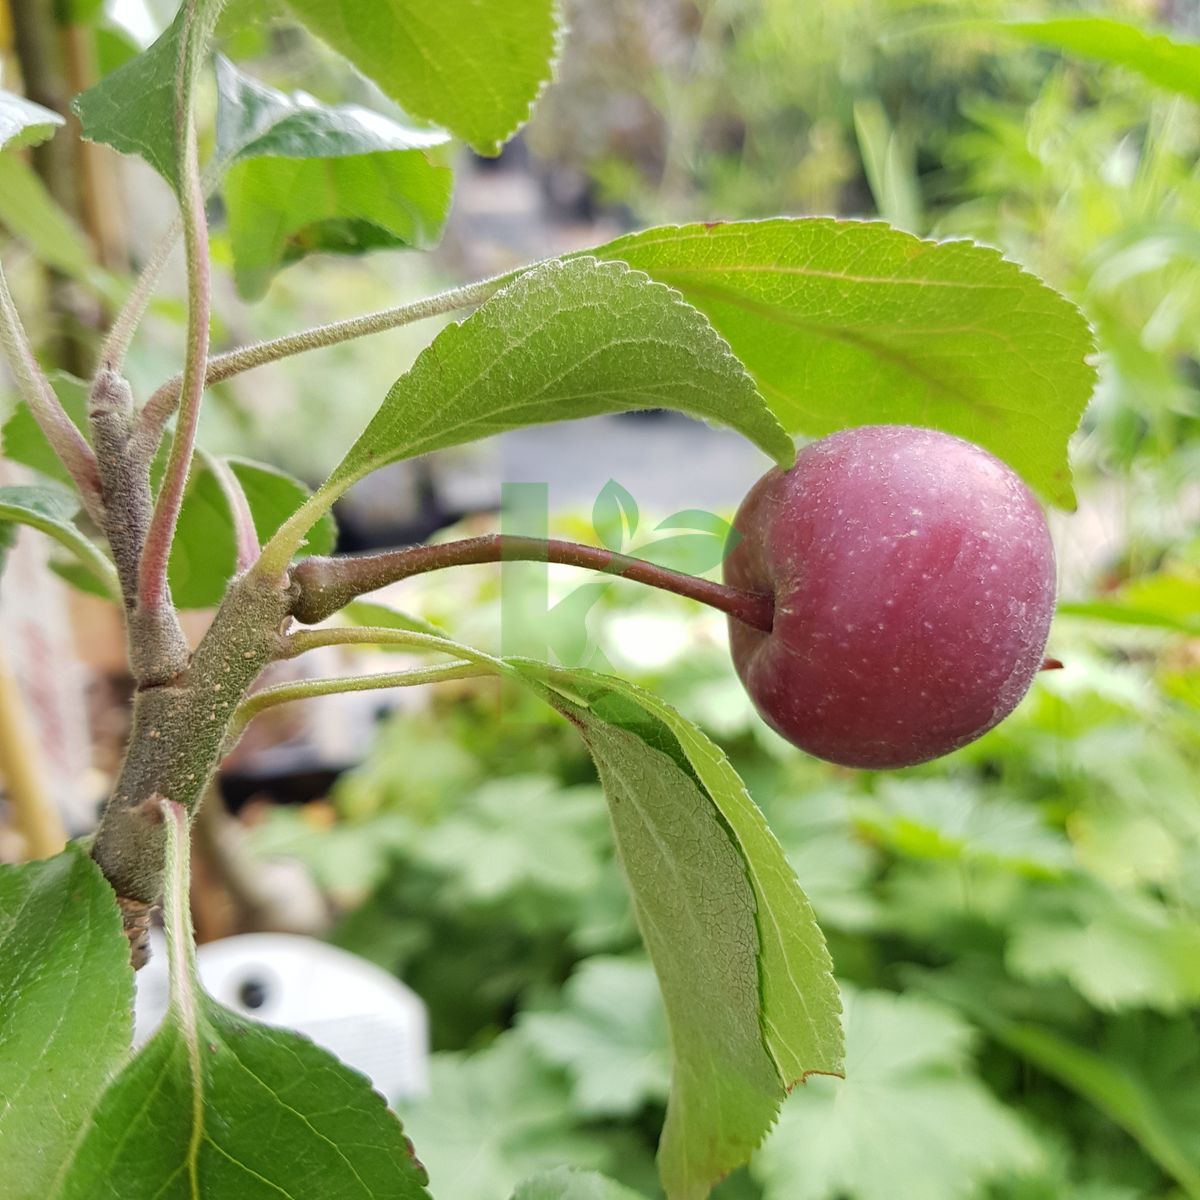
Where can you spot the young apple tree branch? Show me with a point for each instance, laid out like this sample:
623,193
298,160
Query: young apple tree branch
285,693
163,403
125,323
244,532
154,597
65,439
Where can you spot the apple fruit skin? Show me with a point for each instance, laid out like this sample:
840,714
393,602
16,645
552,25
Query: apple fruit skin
914,583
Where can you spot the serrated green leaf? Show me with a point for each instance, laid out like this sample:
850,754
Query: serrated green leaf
563,340
1167,62
23,123
217,1106
66,1012
567,1183
799,997
850,323
133,109
23,441
255,120
743,967
909,1122
52,512
309,177
700,932
204,552
472,66
610,1036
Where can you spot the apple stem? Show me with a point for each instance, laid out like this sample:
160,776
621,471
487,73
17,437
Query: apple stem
324,585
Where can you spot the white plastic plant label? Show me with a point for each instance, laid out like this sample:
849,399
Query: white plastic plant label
351,1007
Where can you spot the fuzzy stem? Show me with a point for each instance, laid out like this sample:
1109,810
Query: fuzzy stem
285,693
153,591
328,584
163,402
177,925
125,323
68,443
244,531
179,732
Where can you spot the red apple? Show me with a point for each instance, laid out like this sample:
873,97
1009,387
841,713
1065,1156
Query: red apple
914,581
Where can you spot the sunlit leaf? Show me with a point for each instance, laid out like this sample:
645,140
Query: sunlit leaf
563,340
472,66
852,323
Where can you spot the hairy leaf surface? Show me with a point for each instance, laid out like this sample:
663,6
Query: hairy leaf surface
850,323
563,340
66,1013
745,975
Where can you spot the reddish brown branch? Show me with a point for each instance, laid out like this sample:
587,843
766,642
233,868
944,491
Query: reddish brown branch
325,585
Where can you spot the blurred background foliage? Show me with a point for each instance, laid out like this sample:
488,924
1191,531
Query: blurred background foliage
1017,927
